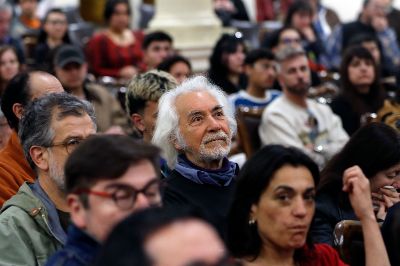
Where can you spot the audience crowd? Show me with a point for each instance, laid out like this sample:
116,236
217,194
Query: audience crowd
116,151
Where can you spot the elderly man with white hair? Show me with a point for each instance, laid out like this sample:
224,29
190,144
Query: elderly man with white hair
194,128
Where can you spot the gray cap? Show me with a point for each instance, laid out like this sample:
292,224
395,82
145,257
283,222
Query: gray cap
68,54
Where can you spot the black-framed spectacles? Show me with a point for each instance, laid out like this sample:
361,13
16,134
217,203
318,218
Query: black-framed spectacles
125,196
69,144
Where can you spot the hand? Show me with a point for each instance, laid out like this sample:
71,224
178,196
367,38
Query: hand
385,196
127,72
309,34
379,23
357,186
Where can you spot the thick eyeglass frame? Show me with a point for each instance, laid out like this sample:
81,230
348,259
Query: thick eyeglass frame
133,193
69,144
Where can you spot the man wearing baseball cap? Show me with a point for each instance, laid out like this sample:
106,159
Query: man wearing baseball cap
71,69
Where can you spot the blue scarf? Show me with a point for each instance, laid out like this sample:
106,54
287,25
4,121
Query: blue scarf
221,177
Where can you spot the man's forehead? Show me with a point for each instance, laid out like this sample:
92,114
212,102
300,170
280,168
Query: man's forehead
297,60
196,100
71,125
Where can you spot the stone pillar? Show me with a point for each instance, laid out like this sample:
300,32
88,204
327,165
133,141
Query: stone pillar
192,24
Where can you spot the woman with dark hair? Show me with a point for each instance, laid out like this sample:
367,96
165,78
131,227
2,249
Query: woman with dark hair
274,205
361,91
375,149
226,64
116,51
53,33
300,16
178,66
9,66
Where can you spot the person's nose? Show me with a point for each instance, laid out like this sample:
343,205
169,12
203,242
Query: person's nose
300,208
213,124
141,202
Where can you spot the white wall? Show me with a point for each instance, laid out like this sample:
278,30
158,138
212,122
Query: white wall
349,9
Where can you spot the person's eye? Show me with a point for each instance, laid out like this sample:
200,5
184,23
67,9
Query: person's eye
309,197
73,142
393,174
219,114
196,119
122,194
283,197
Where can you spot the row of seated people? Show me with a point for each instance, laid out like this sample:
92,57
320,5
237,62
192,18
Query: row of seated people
106,180
124,52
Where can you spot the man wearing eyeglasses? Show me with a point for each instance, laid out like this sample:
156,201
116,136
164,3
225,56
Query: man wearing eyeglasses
34,221
20,91
107,178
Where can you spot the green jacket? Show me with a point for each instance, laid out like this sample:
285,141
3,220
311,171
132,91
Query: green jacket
30,230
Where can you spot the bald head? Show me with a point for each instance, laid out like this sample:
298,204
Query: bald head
24,88
42,83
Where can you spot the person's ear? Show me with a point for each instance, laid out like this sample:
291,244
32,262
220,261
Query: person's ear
176,144
77,211
40,156
137,121
18,110
253,213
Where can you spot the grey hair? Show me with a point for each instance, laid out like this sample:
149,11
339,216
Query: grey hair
167,129
35,127
288,52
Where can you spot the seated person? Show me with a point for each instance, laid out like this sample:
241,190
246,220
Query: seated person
156,46
289,36
53,33
194,128
142,95
295,120
156,236
71,69
260,69
178,66
6,17
107,178
375,150
361,91
226,64
36,218
116,51
274,205
27,23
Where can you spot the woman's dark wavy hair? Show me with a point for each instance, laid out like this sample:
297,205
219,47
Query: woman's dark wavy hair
43,34
254,178
374,147
227,44
296,7
109,8
374,99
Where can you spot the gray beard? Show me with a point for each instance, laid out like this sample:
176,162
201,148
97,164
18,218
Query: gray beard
57,176
205,154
